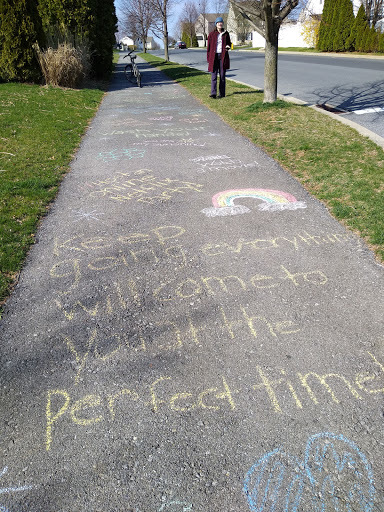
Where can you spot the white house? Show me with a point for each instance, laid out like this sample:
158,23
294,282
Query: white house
149,45
126,42
291,30
129,42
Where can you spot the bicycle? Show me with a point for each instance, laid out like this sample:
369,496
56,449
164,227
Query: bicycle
133,69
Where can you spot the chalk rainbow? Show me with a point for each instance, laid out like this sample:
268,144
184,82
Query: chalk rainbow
272,200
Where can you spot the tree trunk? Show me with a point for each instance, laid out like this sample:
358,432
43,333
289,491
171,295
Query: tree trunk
166,53
165,31
270,68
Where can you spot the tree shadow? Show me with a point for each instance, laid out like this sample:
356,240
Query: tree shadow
353,98
149,76
259,92
153,76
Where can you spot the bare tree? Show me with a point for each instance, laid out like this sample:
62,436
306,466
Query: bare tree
373,10
266,16
188,19
220,7
161,9
202,19
243,27
137,18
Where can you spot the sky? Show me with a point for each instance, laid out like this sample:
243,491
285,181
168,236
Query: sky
177,9
173,19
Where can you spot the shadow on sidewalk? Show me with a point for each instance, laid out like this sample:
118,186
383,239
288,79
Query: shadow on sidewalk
149,76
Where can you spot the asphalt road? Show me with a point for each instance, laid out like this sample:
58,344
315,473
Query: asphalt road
192,332
349,83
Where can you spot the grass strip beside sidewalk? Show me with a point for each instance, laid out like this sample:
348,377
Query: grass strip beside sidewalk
333,162
40,129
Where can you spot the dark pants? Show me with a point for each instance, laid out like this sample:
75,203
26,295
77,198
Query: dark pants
218,68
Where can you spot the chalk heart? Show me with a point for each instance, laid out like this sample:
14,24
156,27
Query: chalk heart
335,476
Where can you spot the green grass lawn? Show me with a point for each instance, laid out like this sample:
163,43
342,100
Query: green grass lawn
40,129
333,162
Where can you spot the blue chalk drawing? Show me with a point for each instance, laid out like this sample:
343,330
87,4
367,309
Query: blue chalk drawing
275,483
350,465
9,490
334,476
117,154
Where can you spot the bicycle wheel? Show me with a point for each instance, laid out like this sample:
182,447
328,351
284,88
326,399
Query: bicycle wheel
138,79
128,66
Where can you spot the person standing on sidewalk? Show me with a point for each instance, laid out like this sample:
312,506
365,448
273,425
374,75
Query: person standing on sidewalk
218,45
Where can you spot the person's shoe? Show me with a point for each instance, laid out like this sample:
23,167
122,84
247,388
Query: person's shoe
221,96
212,96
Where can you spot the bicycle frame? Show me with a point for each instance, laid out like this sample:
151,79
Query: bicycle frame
134,70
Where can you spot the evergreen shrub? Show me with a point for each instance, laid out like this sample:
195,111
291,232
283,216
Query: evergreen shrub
20,29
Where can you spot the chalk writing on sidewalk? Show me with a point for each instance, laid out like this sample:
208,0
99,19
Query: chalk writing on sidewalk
215,285
166,394
159,395
192,112
176,506
162,336
219,163
161,118
170,142
296,241
12,489
142,186
128,122
334,475
160,236
120,154
272,200
84,215
156,109
70,272
193,120
141,133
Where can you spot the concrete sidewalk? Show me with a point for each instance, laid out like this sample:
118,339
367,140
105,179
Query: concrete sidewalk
191,332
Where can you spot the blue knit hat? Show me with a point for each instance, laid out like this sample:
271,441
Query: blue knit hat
218,20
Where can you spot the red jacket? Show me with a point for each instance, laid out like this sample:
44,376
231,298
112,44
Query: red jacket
211,49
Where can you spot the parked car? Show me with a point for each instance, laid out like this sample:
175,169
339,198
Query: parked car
180,45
